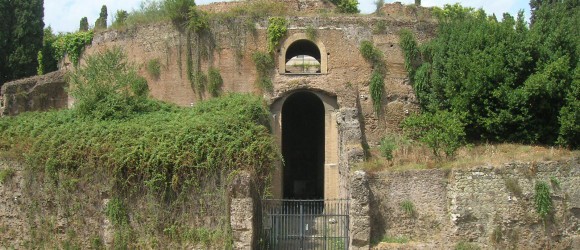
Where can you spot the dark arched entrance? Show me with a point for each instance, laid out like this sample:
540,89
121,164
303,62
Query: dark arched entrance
303,146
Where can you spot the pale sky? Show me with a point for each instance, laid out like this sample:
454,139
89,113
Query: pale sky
65,15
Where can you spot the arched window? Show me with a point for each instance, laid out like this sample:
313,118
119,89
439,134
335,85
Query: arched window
300,55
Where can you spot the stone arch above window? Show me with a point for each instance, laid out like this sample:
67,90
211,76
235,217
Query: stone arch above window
300,55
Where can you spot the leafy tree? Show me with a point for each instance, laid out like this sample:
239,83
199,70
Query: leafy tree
120,18
508,82
20,38
84,24
101,22
47,58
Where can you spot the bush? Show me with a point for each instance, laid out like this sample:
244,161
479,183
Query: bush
347,6
215,82
72,44
376,89
370,53
441,131
154,68
108,87
387,146
542,199
178,11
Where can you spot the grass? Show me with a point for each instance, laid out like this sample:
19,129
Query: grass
410,155
6,174
395,239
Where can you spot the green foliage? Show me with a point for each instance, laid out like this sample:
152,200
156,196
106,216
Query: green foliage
84,24
496,235
277,28
178,11
346,6
215,82
117,212
101,22
40,58
522,89
376,57
408,207
154,68
199,82
387,146
120,18
108,87
555,182
264,65
149,11
198,21
542,199
72,44
376,89
410,50
21,31
6,174
418,2
311,33
441,131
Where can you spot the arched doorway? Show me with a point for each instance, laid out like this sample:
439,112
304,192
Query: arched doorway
303,140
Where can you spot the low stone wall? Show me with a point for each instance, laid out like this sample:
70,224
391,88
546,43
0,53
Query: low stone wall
37,93
488,206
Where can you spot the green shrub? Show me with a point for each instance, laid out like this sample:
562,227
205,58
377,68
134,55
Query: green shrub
387,146
215,81
376,89
408,207
120,19
370,53
108,87
441,131
277,28
380,27
154,68
542,199
117,212
347,6
178,11
410,50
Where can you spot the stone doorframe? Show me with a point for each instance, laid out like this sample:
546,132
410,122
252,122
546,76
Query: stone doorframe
331,142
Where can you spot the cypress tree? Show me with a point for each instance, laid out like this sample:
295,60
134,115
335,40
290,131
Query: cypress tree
101,22
21,31
84,24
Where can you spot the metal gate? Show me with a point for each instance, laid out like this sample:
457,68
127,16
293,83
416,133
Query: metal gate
304,224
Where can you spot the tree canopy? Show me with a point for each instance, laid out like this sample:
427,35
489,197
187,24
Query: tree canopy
506,80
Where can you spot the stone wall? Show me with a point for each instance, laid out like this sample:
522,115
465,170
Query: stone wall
38,211
488,206
37,93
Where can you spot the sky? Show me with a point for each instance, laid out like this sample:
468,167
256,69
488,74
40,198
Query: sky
65,15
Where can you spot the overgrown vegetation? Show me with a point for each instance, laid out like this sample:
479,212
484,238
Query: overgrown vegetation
387,146
464,245
395,239
72,44
513,186
442,131
408,208
143,148
542,199
376,57
154,68
523,89
264,65
346,6
215,82
277,28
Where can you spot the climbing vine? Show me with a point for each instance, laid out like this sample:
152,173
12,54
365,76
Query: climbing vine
542,199
277,28
264,64
376,58
72,44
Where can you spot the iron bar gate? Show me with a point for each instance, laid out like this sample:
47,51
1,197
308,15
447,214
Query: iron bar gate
304,224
